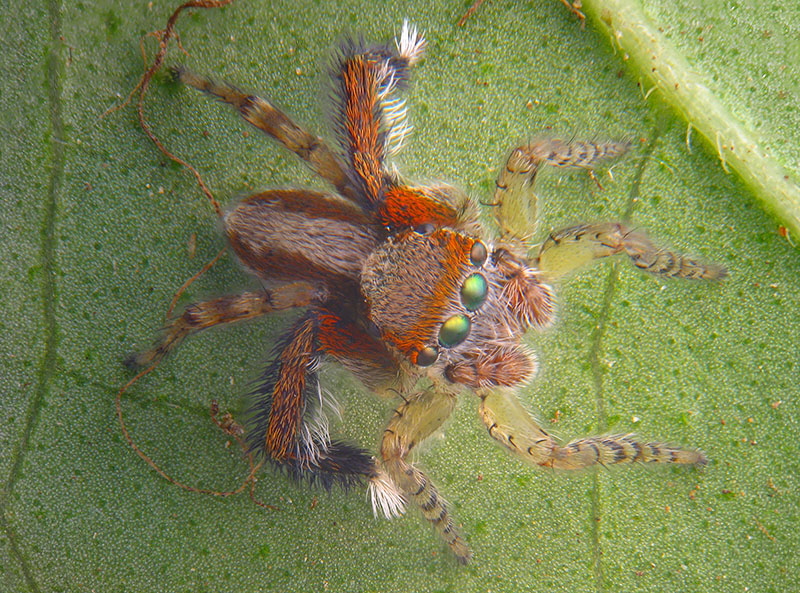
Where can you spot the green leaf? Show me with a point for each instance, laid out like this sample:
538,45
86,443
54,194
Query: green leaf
97,227
715,82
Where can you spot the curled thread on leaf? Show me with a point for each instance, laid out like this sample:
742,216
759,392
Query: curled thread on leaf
226,423
164,37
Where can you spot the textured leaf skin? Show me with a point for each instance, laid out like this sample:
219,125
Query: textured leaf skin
96,228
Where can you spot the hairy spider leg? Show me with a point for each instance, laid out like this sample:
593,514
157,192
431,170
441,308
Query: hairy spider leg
287,417
515,201
493,366
361,125
280,401
227,309
415,420
273,122
362,354
370,118
514,428
570,248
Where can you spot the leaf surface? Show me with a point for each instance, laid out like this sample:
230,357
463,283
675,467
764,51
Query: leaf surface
100,231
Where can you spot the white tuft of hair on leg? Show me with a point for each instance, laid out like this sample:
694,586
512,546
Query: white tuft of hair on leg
314,432
386,498
398,128
411,43
387,81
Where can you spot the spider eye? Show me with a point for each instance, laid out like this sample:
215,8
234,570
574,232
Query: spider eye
454,331
478,253
474,291
427,356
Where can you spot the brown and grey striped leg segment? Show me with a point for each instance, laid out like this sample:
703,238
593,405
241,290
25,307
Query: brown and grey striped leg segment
515,201
227,309
287,420
513,427
568,249
273,122
415,420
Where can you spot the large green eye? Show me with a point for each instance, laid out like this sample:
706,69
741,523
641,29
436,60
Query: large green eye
427,356
474,291
454,331
478,253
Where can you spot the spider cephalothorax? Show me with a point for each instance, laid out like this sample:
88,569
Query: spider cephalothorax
440,299
402,282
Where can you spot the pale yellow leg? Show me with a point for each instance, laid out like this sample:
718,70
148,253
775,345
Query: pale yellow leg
515,199
415,420
569,249
512,426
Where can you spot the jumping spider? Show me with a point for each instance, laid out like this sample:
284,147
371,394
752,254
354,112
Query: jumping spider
403,286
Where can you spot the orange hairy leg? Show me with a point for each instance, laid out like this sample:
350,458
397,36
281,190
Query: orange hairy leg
286,398
370,119
364,146
287,415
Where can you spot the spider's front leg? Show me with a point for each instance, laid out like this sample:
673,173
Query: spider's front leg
514,428
415,420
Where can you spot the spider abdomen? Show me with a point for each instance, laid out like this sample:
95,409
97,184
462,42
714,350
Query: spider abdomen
301,235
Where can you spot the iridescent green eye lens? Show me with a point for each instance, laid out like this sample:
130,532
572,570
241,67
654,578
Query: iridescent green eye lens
454,331
478,253
427,356
474,291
